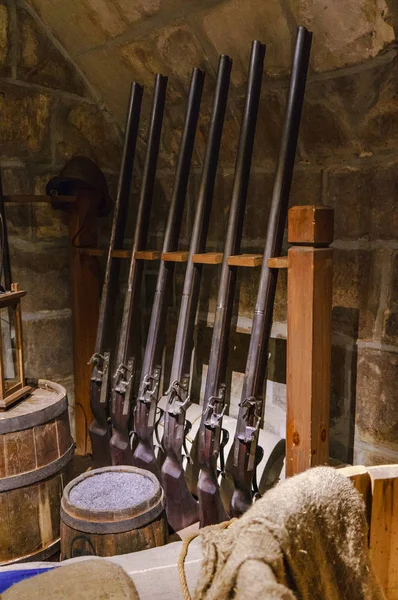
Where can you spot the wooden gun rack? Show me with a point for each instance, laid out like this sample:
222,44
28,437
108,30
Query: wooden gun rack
309,265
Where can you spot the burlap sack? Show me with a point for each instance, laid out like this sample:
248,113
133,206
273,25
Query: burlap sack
86,580
306,539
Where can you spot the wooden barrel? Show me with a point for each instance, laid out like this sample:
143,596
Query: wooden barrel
35,450
112,510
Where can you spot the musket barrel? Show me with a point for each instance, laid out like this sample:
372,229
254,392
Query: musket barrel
243,460
181,508
121,396
211,509
145,408
99,384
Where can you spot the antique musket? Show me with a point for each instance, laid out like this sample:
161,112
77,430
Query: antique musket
122,389
242,465
211,509
100,375
146,403
181,507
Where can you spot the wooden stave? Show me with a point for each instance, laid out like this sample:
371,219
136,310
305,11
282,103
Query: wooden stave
41,526
31,477
39,538
151,535
112,522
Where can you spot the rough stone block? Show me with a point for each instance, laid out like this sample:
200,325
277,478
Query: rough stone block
356,285
107,71
83,129
43,271
371,454
24,126
376,402
140,9
230,27
50,223
48,346
390,326
4,41
16,181
306,186
20,221
379,126
40,181
41,63
144,62
180,50
364,202
363,32
90,22
324,131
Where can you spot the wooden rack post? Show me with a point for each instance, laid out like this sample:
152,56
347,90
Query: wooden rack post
85,296
310,272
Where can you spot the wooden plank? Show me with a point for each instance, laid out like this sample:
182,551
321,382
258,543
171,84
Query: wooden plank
311,225
175,256
208,258
245,260
102,251
308,357
147,255
360,478
85,296
31,199
384,527
279,262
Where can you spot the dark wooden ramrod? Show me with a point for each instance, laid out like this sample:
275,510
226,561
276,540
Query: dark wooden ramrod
100,375
122,388
181,507
210,505
145,406
243,459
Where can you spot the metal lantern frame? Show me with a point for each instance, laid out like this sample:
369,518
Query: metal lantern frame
11,394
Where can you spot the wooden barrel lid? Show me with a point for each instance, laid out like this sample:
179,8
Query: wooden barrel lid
35,439
90,515
47,402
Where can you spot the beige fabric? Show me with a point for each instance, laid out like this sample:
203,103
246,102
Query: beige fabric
305,539
86,580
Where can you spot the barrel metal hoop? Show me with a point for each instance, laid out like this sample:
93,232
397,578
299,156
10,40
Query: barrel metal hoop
33,419
30,477
103,527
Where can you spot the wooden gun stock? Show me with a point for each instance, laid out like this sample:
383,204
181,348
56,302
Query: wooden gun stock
211,509
250,407
145,408
122,392
181,508
99,398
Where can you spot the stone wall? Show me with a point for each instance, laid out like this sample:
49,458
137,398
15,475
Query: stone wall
48,113
347,158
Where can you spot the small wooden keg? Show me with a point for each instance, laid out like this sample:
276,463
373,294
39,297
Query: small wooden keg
112,510
35,449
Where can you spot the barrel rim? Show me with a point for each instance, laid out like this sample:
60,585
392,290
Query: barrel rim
82,519
46,414
31,477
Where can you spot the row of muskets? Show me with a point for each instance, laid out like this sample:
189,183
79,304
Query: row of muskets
124,424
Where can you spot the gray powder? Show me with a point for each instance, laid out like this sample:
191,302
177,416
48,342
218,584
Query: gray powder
111,491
